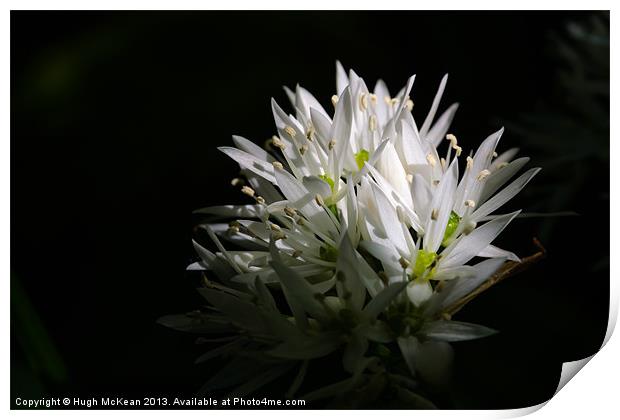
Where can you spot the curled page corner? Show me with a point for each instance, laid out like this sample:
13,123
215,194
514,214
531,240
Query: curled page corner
569,370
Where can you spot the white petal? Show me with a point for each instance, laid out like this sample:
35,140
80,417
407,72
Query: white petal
421,195
342,81
443,200
409,145
419,292
387,255
389,219
262,187
304,100
504,195
431,114
409,348
316,186
382,92
251,148
459,288
492,251
468,246
252,163
500,177
389,166
304,200
455,331
441,127
250,210
504,158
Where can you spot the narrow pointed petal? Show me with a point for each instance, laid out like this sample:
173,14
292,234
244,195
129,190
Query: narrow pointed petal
441,206
455,331
456,289
504,195
492,251
253,149
468,246
380,302
441,127
501,176
342,80
250,162
431,114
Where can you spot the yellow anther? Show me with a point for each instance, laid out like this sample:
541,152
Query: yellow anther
290,211
483,174
331,144
431,160
303,149
372,123
319,200
236,181
409,104
363,102
277,165
290,131
260,200
403,262
277,143
470,203
247,191
334,99
470,162
434,214
373,98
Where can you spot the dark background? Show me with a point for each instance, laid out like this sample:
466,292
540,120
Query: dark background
115,122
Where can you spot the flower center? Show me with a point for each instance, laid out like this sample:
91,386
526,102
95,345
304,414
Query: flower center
329,181
328,253
453,223
361,157
423,262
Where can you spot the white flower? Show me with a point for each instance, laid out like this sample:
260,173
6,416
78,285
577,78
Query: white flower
360,223
442,236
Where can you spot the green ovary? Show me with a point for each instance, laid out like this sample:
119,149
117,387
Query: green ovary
424,260
328,180
361,157
453,223
328,253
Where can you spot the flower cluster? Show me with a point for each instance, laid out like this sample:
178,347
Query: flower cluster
359,237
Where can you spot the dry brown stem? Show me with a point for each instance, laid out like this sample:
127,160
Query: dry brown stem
509,269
